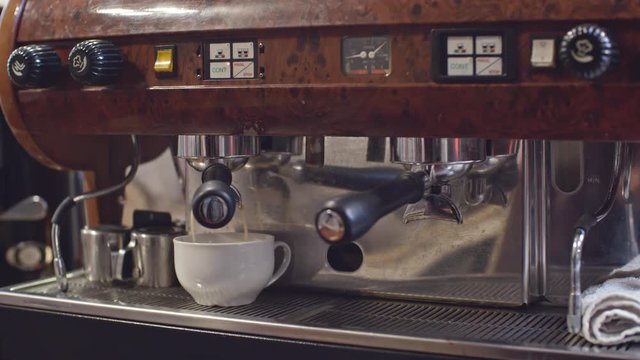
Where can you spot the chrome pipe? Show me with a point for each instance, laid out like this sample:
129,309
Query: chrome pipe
217,146
430,151
574,315
502,147
282,144
59,267
233,151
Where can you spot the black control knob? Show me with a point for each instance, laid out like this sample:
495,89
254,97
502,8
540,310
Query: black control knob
588,51
95,62
33,66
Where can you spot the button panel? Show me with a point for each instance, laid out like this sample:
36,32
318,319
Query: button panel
243,70
488,45
220,70
460,66
489,66
230,59
243,50
473,55
459,45
220,51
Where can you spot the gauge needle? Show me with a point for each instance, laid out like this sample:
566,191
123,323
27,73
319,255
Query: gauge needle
361,55
372,54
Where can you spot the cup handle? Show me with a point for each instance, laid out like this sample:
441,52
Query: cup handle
286,260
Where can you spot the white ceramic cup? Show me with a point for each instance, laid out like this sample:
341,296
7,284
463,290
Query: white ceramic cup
222,269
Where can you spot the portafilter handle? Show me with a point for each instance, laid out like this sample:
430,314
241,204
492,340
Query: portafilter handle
214,202
349,217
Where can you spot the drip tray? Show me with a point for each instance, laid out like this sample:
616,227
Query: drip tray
398,325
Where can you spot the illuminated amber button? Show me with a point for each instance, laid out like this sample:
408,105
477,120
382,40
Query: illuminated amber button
164,61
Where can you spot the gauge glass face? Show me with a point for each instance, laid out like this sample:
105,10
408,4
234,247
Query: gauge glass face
366,55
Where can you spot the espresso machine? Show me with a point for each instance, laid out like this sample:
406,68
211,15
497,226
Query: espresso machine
450,176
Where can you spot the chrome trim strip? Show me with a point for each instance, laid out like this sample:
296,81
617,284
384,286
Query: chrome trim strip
542,199
528,236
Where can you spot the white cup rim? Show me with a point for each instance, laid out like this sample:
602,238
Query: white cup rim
188,239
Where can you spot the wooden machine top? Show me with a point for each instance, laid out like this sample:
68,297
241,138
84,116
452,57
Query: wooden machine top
428,68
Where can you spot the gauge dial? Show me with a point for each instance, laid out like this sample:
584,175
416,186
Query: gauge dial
366,55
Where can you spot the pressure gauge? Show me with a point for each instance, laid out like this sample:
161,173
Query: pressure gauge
366,55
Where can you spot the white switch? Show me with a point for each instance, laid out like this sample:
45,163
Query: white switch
489,66
243,70
543,53
460,66
460,45
220,70
488,45
220,51
243,50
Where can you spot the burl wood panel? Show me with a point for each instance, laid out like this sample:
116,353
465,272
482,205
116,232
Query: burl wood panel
507,111
105,156
10,107
60,150
306,93
71,19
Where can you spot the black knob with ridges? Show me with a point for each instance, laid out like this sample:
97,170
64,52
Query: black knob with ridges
33,66
588,51
95,62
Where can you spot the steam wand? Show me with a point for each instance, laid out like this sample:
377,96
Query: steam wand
59,267
585,223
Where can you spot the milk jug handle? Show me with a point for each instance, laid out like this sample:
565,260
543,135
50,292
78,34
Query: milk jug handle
118,259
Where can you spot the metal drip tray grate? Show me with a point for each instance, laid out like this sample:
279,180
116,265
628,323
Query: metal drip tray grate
462,323
497,289
399,325
270,307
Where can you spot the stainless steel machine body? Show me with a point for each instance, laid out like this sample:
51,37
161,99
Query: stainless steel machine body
512,248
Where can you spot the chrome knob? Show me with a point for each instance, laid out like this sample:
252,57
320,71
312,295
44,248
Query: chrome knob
330,225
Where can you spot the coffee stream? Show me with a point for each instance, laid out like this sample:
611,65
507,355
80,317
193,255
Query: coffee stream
243,216
192,226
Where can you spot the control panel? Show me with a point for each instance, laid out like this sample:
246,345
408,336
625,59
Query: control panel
473,55
367,80
227,60
459,55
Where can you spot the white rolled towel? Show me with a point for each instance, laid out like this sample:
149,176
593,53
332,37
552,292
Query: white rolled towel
611,310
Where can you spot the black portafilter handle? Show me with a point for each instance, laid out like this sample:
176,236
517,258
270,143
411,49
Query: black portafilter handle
214,202
349,217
